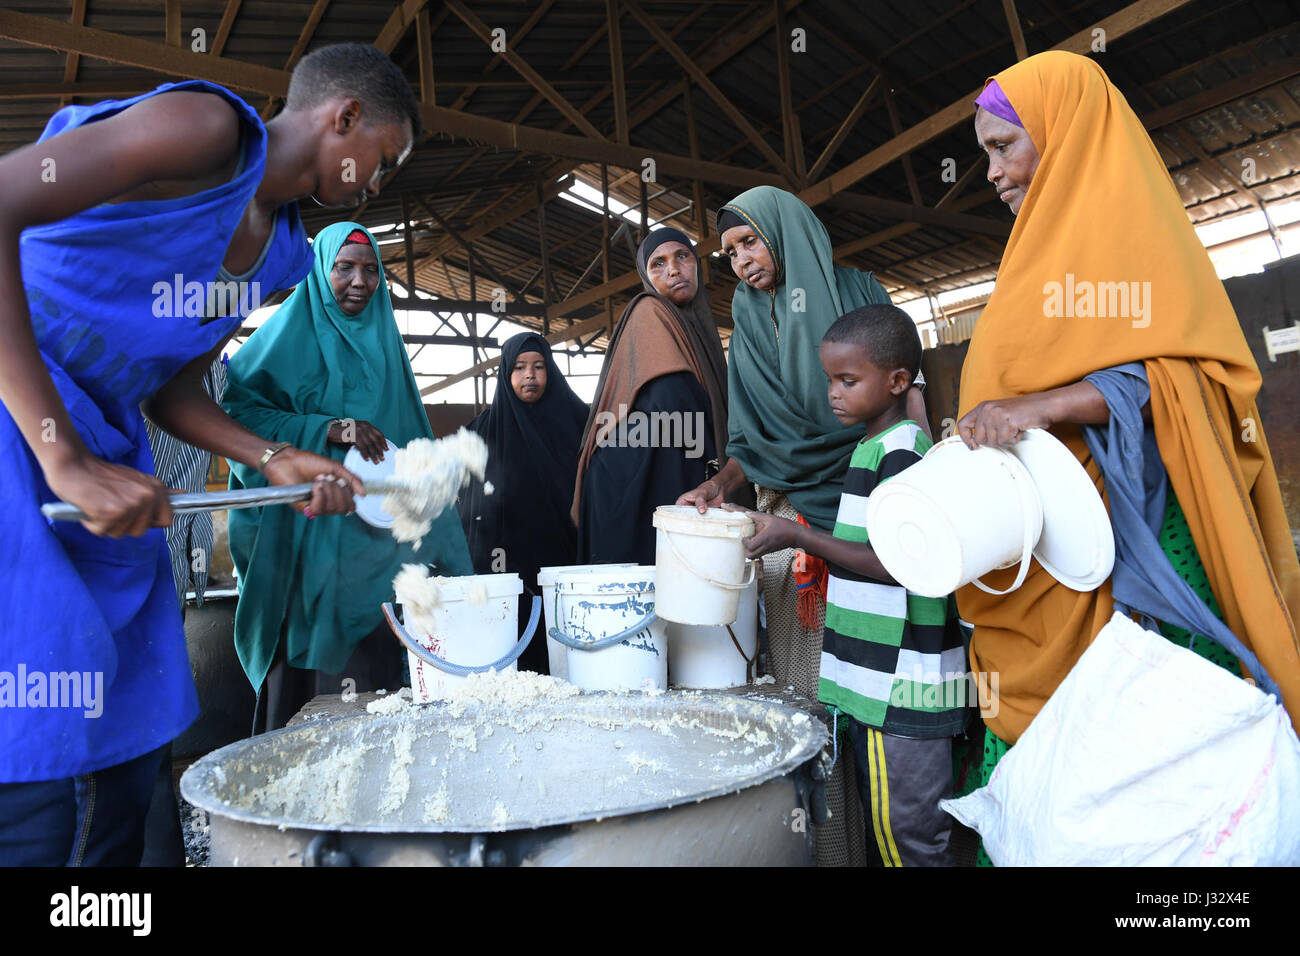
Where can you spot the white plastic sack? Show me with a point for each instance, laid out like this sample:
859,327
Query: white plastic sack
1150,755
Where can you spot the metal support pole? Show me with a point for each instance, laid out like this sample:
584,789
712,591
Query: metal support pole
604,239
546,262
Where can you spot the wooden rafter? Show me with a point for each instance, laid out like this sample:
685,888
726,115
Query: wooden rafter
484,226
855,246
399,21
1132,17
172,22
1234,89
715,50
923,215
701,77
855,114
841,40
712,52
224,27
616,71
77,18
1017,32
520,65
697,188
307,32
44,32
424,51
539,11
1236,51
300,47
789,121
909,172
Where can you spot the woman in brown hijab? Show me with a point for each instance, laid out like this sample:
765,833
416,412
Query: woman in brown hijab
660,414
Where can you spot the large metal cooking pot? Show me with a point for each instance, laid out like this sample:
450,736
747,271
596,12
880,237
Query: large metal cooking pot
596,779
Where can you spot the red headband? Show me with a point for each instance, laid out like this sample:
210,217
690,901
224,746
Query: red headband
357,236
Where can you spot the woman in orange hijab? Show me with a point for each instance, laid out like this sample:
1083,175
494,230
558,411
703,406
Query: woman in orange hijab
1104,270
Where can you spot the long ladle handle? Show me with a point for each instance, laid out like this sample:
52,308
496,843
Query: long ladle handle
191,503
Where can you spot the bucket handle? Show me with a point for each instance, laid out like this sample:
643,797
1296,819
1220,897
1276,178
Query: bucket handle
572,642
462,670
1027,549
750,567
749,661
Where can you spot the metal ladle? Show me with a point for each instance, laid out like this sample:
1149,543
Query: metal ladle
414,489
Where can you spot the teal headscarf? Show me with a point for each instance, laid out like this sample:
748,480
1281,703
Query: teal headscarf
321,581
780,426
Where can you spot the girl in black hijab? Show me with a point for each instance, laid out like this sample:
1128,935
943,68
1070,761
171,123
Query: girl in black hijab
532,429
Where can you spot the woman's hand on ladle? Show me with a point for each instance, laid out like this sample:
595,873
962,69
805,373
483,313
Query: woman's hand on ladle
334,488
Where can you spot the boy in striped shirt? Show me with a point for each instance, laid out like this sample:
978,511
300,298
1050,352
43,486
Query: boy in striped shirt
893,662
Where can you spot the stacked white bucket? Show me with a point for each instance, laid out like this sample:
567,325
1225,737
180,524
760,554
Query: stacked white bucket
709,594
589,603
557,654
474,622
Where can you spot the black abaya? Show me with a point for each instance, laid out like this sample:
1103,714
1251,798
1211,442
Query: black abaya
623,485
532,465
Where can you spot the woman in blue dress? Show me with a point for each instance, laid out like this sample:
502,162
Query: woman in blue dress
115,227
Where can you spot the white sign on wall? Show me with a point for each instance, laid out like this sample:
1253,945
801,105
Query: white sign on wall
1280,341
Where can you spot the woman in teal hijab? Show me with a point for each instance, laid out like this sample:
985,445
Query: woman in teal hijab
327,370
782,435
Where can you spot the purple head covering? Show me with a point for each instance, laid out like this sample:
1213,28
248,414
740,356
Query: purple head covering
996,102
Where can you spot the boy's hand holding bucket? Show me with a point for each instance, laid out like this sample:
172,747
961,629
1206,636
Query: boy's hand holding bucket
770,532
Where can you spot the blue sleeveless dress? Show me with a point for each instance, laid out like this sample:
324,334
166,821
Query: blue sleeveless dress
101,287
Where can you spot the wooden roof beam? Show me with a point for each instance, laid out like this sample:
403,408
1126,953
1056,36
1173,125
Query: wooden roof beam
846,127
484,226
1234,89
77,18
903,228
299,48
520,65
1017,32
790,133
525,28
909,172
712,46
133,51
399,21
701,79
923,215
424,53
172,22
1131,18
237,74
224,27
618,85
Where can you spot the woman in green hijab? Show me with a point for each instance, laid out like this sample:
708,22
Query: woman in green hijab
326,372
781,433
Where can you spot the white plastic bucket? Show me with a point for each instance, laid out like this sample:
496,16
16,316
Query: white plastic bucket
700,564
461,631
600,602
557,655
702,657
954,516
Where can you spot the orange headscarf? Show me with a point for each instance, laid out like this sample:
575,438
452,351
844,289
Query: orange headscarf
1102,209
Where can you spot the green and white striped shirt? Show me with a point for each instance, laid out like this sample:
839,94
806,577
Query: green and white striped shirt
891,659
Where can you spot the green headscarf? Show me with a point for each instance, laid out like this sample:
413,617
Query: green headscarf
780,428
322,581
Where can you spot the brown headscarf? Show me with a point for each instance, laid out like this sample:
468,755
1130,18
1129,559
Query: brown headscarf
1102,209
655,337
